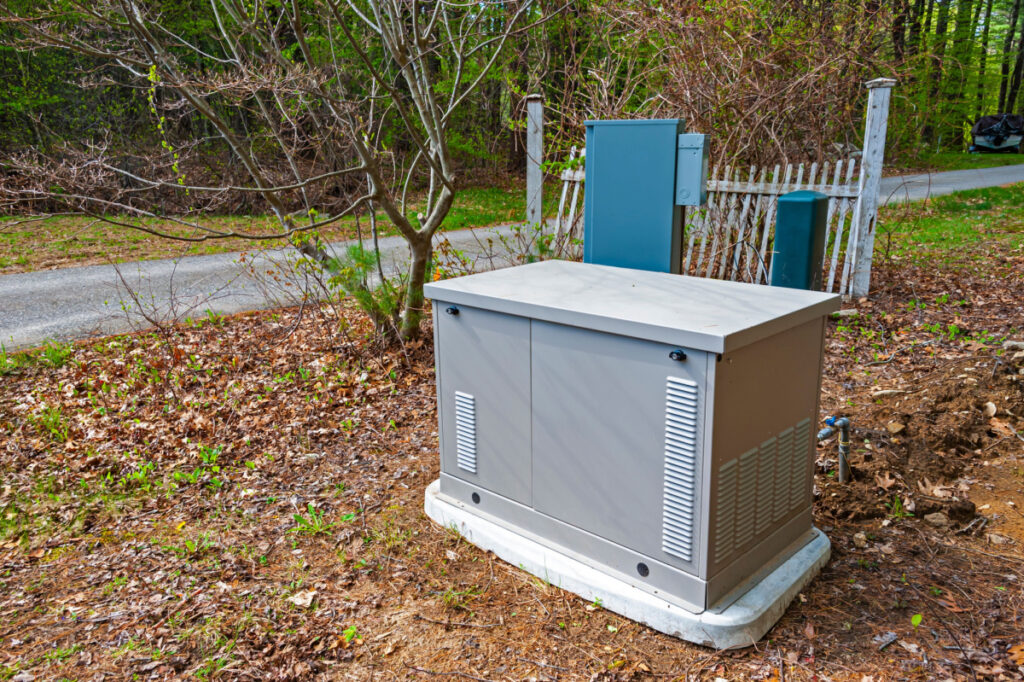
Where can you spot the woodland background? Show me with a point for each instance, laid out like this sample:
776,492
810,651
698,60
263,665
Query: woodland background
770,80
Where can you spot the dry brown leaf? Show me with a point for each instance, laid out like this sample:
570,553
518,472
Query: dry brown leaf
1000,427
885,481
934,489
303,598
951,605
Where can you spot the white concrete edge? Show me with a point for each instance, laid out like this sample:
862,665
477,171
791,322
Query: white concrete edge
741,624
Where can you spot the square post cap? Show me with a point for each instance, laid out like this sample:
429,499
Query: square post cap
881,83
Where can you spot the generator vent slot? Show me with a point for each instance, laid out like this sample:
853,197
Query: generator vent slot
680,492
725,516
801,446
783,470
465,431
745,503
766,466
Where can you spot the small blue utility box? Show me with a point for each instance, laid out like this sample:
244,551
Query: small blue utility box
801,224
639,175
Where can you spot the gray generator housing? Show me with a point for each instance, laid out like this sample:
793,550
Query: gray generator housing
659,428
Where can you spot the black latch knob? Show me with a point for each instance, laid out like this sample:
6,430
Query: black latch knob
452,310
677,355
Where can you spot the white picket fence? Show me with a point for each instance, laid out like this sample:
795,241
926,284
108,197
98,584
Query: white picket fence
732,236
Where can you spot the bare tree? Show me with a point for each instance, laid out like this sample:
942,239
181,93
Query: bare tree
770,81
307,99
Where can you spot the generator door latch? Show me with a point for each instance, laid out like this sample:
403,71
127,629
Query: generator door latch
677,355
452,310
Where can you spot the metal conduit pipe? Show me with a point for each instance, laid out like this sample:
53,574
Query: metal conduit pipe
842,424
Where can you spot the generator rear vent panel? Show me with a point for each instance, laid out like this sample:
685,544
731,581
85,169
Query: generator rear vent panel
657,428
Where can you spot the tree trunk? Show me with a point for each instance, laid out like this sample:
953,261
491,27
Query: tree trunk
899,29
913,28
1004,67
420,246
914,37
956,78
983,61
938,57
1018,71
412,315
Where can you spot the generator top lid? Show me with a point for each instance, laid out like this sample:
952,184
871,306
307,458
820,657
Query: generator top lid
693,312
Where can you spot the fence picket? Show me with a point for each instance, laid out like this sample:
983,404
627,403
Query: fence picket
706,224
713,233
769,220
559,225
831,232
575,200
755,223
786,187
726,229
760,224
742,224
851,239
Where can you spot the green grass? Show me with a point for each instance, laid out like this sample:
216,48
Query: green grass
52,353
76,240
946,161
959,228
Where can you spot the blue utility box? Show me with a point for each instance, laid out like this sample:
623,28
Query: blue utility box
639,174
799,250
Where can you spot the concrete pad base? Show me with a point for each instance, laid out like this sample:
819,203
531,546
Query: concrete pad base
741,623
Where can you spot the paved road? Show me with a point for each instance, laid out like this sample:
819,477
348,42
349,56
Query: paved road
76,303
923,185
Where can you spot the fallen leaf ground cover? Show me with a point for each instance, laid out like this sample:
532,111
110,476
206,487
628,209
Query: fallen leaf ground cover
242,498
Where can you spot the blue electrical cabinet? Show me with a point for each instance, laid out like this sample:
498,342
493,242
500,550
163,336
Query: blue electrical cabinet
639,174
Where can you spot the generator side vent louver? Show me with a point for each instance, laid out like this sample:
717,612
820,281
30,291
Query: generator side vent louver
759,488
680,491
465,431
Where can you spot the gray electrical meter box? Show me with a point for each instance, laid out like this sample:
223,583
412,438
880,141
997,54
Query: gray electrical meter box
634,436
692,170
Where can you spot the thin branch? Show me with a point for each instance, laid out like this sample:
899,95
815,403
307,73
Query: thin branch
212,233
237,188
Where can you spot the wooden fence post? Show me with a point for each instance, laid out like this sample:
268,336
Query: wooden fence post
534,158
866,212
